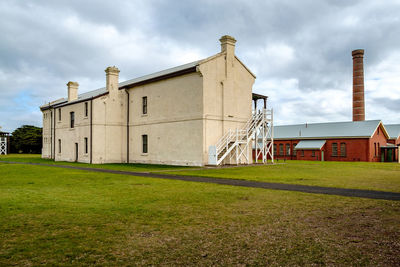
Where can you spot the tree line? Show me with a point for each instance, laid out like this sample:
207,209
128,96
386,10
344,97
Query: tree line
26,139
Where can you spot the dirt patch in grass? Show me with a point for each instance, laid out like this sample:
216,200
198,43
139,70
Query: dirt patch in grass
327,236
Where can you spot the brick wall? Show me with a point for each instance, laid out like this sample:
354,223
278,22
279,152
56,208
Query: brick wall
377,138
356,149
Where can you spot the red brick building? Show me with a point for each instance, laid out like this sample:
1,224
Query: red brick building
357,140
335,141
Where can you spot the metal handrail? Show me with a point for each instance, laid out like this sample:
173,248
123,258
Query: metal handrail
233,136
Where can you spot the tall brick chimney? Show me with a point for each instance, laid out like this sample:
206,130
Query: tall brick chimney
358,85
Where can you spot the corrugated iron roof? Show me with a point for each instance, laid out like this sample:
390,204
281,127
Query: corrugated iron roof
349,129
310,144
103,90
393,130
160,73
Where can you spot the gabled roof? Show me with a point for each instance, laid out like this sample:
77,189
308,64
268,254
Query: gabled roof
350,129
393,130
310,144
160,75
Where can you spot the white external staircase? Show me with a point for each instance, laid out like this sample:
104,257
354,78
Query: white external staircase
233,147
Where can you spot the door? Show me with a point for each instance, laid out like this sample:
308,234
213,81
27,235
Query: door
322,155
390,155
76,151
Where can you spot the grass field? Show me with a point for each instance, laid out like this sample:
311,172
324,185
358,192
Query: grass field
65,217
35,158
359,175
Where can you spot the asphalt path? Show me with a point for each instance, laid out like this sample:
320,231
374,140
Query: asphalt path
372,194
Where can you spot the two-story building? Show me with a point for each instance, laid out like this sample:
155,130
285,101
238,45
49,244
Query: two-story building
168,117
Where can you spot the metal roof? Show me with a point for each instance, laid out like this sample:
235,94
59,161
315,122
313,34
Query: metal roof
103,90
351,129
81,97
310,144
160,73
393,130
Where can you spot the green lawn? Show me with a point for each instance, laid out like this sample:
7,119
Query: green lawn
360,175
357,175
35,158
65,217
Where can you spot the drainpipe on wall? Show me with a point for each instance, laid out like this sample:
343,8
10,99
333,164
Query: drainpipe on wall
54,139
91,130
127,127
51,134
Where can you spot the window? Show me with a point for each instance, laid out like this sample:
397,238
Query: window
343,149
378,130
59,114
280,149
313,153
72,119
144,104
86,109
379,149
144,143
302,153
334,150
86,145
375,149
287,149
275,151
294,150
59,145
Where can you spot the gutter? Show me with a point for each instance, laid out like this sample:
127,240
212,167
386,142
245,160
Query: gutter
127,126
66,103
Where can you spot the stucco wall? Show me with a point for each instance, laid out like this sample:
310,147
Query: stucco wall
227,98
69,136
46,134
109,128
173,122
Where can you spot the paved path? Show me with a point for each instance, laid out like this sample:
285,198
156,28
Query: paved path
245,183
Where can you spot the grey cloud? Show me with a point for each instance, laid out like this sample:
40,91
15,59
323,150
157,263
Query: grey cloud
321,35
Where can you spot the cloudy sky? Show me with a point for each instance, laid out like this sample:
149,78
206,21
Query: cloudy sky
299,50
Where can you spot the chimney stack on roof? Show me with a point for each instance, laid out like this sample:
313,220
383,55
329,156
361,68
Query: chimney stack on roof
112,75
227,44
358,85
72,91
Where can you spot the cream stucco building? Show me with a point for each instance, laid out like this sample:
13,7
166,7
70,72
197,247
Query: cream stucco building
169,117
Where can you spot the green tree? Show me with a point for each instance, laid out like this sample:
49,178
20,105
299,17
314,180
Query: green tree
26,139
